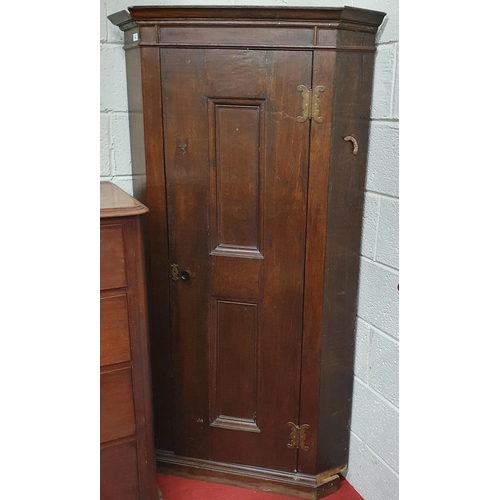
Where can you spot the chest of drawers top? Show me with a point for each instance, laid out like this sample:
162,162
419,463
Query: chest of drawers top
117,203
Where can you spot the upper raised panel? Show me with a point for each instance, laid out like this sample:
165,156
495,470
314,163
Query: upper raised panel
237,156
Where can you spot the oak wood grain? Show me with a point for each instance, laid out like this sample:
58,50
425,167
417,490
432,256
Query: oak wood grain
261,215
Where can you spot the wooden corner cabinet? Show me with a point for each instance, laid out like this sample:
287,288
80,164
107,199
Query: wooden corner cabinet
249,133
127,448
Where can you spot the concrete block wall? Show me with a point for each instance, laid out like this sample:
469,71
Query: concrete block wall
373,467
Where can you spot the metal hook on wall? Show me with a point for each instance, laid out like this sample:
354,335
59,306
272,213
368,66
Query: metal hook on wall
352,139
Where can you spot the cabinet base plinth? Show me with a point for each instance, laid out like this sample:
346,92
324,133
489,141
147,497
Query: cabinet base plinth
287,483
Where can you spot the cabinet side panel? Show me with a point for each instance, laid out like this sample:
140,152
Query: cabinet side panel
136,121
352,97
153,194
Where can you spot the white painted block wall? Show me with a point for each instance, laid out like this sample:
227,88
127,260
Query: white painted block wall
373,464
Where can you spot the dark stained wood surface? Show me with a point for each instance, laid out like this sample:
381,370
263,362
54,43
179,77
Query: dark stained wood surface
160,13
263,214
354,74
246,261
317,202
250,36
236,128
187,219
152,192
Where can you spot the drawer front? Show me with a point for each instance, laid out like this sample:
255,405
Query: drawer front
117,405
119,479
115,339
112,257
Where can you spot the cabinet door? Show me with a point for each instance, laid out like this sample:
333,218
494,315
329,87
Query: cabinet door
236,175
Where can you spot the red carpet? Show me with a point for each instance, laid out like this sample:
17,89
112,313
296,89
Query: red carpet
178,488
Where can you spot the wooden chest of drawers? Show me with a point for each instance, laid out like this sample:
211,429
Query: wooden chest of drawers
127,453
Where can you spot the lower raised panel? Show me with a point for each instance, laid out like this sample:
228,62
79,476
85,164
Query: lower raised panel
235,423
234,348
119,478
286,483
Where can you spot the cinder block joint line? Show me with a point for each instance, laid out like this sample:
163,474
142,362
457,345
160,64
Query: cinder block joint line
384,334
385,120
376,232
386,267
373,452
377,329
119,43
387,42
382,195
393,90
377,394
395,121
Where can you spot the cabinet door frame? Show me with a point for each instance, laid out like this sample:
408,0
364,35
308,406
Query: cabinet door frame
247,88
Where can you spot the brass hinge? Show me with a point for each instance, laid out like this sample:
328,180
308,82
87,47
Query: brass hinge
298,436
310,103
